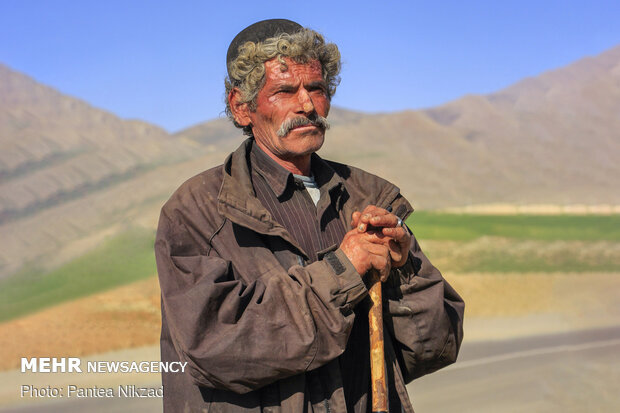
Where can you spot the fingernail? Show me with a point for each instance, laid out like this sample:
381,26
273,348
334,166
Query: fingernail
366,216
361,227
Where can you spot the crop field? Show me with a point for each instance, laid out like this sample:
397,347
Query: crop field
541,272
519,243
455,243
120,260
467,227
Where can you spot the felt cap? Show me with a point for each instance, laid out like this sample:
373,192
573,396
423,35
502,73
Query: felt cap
259,32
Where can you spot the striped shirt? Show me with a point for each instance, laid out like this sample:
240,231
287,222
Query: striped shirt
316,228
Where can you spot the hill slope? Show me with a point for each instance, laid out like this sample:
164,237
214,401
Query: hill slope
71,174
554,139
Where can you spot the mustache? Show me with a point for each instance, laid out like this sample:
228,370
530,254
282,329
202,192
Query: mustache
290,124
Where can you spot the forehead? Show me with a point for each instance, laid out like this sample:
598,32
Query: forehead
293,71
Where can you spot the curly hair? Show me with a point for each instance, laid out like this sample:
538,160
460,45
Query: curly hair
247,71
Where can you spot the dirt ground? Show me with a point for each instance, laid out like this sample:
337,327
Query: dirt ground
124,317
501,306
497,306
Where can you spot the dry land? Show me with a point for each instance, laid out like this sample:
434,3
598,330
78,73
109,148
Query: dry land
498,306
125,317
519,275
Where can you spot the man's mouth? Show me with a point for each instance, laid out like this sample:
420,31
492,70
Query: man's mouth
302,122
306,127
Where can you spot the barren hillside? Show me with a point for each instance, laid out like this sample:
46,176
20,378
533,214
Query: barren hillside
551,139
71,174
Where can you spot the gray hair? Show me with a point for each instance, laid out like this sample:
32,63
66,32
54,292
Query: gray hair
247,71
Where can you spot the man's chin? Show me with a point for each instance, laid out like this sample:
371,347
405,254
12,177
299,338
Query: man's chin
307,144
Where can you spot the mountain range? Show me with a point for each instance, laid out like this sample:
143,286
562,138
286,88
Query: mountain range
72,174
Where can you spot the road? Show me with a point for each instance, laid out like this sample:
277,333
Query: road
572,372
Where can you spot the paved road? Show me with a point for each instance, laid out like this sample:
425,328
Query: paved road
573,372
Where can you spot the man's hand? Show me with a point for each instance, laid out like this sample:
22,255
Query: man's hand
366,251
384,226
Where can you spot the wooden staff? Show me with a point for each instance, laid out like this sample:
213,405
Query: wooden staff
377,354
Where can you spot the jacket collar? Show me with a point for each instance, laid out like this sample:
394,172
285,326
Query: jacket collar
276,176
237,200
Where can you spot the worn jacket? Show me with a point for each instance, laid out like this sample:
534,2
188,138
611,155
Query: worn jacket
260,329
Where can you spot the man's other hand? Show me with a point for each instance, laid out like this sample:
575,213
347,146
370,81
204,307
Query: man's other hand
384,226
366,251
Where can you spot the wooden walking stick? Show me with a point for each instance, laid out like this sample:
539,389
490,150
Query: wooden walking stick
377,355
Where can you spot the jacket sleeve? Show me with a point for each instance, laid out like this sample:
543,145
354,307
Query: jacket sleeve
241,336
424,316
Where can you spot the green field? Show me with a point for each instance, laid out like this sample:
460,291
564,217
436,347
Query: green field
467,227
453,242
519,243
120,260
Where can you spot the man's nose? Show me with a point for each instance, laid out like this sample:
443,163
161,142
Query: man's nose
305,101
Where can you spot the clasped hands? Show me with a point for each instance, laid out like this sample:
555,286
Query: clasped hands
376,241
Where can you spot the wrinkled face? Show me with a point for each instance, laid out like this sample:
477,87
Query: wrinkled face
284,105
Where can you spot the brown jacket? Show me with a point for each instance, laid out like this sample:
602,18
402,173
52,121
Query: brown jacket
257,329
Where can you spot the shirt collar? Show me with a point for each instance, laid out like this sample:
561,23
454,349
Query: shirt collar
279,178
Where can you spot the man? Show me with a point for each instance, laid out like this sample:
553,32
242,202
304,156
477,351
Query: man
263,260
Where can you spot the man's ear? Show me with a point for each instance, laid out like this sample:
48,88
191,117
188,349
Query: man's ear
240,111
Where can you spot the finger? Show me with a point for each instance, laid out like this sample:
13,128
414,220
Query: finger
375,237
355,218
376,249
385,273
396,233
386,264
382,264
371,211
396,252
384,220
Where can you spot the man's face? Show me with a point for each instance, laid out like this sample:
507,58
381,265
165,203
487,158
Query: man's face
298,92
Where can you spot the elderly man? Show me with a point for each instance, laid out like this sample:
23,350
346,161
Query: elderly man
263,260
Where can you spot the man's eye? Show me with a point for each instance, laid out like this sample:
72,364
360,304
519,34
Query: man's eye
318,90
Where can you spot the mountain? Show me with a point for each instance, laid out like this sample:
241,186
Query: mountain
71,174
69,171
55,148
554,138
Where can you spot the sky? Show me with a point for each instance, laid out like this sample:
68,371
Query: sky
164,61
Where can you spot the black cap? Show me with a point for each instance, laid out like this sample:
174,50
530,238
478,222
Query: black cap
259,32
